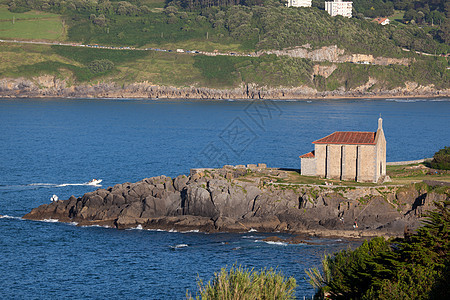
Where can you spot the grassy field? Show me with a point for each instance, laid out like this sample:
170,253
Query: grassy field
397,16
130,66
400,175
415,173
154,3
31,25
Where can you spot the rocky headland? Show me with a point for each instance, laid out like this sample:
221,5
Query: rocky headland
243,198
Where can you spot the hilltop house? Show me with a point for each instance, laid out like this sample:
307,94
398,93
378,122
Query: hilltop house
382,21
348,155
339,8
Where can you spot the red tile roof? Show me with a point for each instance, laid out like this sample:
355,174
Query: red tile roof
380,20
308,155
348,137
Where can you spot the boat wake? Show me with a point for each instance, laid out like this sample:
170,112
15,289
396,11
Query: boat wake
10,217
39,185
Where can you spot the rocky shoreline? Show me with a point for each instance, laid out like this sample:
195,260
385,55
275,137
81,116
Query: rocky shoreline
51,86
241,199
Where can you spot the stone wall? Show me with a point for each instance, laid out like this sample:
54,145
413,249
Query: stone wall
333,161
349,162
366,163
308,166
320,151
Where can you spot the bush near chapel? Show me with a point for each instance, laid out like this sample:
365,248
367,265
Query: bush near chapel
441,159
414,267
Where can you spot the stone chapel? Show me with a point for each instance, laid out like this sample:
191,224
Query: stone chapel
348,155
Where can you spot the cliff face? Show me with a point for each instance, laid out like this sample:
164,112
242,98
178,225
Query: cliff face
226,200
334,54
50,86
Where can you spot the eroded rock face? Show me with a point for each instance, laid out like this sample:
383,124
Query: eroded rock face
214,203
52,87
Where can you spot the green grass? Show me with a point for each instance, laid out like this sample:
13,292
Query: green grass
6,15
85,55
409,174
154,3
246,284
30,25
397,16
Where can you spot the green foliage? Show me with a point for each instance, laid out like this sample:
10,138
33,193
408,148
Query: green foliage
219,70
100,66
86,55
252,25
415,267
245,284
441,159
266,70
53,67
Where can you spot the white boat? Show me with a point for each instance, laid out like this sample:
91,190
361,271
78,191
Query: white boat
94,182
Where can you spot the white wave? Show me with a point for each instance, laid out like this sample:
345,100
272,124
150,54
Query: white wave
73,223
406,100
172,230
440,100
10,217
189,231
251,237
179,246
99,226
252,230
276,243
50,220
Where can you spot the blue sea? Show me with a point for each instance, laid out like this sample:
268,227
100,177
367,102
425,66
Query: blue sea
54,146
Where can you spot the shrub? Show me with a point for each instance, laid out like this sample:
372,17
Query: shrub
414,267
441,159
100,66
245,284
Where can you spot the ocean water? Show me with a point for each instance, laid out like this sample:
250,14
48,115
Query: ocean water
54,146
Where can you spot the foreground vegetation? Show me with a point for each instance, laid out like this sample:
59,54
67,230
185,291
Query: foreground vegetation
245,284
414,267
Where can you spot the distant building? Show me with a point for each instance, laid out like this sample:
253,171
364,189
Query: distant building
299,3
348,155
339,7
382,21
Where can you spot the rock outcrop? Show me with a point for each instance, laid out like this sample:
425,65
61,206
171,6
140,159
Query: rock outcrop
207,201
50,86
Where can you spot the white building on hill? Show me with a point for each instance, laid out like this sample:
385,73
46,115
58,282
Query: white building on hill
299,3
339,7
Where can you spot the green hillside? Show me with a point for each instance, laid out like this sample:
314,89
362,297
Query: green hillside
226,26
164,68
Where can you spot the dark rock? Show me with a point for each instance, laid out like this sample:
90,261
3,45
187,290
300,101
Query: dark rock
212,203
